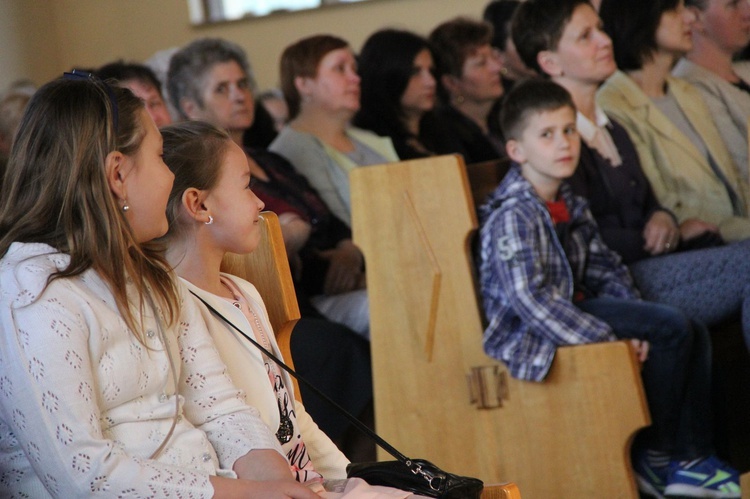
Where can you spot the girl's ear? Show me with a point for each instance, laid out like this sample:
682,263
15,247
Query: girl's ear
549,62
515,151
116,168
193,202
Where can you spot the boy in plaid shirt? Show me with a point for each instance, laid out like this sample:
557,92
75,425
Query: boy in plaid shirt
549,280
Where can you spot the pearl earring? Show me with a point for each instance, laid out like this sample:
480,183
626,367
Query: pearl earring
125,207
210,220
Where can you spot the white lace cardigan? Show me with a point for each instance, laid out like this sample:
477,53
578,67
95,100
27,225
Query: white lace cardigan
84,405
246,368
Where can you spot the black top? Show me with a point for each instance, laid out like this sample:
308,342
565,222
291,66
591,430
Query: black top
468,139
620,198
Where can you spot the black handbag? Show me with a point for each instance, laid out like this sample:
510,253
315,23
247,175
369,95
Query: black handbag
412,475
417,476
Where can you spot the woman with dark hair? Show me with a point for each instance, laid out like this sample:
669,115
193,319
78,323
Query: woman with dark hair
468,72
680,149
399,92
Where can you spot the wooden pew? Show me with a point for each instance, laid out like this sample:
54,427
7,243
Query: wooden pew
268,269
437,395
484,177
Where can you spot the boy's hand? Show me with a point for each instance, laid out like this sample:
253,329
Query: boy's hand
641,349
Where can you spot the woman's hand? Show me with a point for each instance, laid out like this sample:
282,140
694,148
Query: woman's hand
295,232
693,227
661,234
345,268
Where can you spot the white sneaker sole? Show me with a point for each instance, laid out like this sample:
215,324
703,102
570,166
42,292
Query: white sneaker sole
683,490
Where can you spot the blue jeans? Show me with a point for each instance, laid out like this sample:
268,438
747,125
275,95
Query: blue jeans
676,375
709,285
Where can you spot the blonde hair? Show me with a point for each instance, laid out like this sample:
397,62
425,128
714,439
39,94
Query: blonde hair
56,191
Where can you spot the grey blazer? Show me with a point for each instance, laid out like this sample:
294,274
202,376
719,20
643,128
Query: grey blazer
729,106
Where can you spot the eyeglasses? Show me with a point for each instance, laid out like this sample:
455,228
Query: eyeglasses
77,74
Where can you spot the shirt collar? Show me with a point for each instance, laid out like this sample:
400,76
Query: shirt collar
587,128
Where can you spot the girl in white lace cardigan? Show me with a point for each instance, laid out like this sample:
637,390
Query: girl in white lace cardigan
212,211
110,385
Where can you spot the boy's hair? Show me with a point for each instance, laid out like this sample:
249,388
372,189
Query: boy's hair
190,65
528,97
538,25
124,71
632,27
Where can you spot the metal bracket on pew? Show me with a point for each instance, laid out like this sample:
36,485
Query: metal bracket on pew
488,386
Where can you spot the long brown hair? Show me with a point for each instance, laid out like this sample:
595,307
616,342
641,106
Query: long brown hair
56,191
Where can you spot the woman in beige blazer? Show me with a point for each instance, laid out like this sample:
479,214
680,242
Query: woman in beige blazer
682,153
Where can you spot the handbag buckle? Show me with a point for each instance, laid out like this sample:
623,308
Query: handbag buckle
434,480
488,386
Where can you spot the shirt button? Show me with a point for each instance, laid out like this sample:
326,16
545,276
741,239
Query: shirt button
163,397
206,457
150,333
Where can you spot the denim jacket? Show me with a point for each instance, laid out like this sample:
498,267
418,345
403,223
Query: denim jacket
527,279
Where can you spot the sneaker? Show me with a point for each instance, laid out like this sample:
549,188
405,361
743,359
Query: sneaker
651,480
707,477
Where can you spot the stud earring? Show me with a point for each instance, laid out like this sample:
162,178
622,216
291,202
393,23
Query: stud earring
210,220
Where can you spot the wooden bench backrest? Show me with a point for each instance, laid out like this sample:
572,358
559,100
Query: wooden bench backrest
566,437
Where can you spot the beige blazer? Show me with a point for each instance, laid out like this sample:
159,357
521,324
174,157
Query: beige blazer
680,175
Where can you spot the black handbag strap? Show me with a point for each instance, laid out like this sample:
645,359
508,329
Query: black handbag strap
356,422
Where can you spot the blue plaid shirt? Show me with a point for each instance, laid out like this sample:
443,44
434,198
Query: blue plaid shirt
527,279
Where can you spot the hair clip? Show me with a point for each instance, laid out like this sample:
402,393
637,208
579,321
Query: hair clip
77,74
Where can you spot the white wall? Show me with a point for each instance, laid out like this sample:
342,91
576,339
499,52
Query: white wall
40,39
27,40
